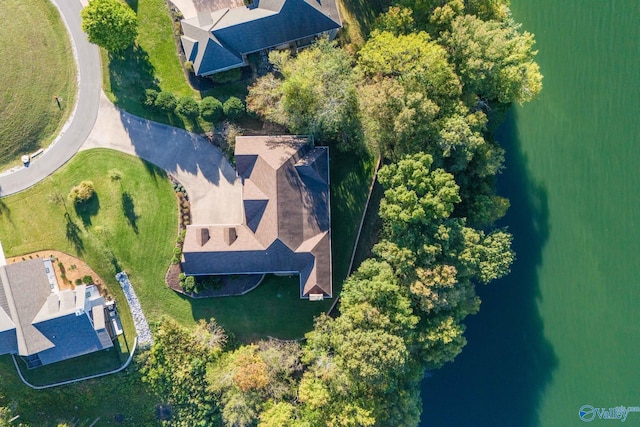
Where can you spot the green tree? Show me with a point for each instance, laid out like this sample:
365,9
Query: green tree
233,108
414,194
251,379
82,192
280,414
494,60
188,107
110,24
408,87
397,20
149,98
211,109
175,367
316,94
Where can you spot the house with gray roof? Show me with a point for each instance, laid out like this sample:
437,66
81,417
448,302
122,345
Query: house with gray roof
221,40
287,222
44,324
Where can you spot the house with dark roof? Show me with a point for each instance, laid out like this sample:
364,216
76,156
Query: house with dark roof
221,40
44,324
287,222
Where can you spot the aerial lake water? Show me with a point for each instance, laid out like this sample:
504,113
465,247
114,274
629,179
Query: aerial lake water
563,329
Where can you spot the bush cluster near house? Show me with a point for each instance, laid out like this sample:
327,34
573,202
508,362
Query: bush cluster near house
416,98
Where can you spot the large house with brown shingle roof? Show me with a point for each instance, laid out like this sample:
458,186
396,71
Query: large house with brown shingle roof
221,40
44,324
286,226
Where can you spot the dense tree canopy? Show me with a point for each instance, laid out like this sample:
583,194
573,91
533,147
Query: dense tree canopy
110,24
315,95
493,59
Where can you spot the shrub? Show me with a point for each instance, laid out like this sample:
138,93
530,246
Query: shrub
149,98
166,101
227,76
188,65
82,192
211,109
188,107
78,282
233,108
87,280
208,282
189,284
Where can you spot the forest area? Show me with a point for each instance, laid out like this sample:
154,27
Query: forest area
431,82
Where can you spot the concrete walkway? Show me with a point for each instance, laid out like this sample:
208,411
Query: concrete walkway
80,123
214,190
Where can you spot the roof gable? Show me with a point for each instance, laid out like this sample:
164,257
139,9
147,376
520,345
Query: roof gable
218,40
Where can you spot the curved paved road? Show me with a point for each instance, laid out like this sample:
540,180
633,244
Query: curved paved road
81,123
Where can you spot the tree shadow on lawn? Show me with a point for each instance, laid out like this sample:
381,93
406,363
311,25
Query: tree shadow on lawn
72,231
87,209
130,73
129,211
502,374
5,210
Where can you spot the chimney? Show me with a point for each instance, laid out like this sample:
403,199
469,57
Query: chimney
202,236
230,235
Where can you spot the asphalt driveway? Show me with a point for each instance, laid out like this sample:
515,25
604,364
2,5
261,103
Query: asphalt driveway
214,189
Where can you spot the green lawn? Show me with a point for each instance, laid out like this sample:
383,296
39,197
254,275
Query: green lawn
152,63
109,234
111,397
137,236
36,64
80,367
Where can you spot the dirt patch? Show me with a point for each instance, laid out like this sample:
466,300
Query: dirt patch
69,269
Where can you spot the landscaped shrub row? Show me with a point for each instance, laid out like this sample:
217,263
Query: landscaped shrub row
198,284
210,108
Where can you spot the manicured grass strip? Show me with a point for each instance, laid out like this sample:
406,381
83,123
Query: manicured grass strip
79,367
351,177
36,64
